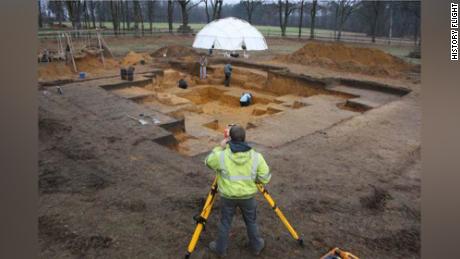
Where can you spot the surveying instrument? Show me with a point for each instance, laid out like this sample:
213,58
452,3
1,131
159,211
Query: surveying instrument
203,216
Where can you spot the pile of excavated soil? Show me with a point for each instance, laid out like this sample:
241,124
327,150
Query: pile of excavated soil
133,58
60,70
347,58
175,52
54,71
93,64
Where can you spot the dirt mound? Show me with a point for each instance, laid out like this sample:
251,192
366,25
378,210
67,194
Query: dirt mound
93,64
90,64
175,52
54,71
133,58
347,58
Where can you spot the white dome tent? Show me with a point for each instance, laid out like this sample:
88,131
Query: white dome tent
230,34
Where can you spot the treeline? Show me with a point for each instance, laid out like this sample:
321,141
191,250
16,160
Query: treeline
375,18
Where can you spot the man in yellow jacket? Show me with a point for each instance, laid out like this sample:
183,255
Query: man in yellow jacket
239,167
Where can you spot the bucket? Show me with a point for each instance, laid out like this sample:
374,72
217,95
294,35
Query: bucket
130,73
82,75
123,73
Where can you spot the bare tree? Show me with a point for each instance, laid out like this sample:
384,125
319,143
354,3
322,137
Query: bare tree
186,6
92,7
138,16
150,9
302,4
249,6
127,14
85,14
313,18
40,19
345,8
74,10
115,11
216,8
208,19
371,11
57,7
414,9
170,15
284,10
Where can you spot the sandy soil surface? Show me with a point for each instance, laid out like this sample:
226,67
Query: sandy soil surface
107,191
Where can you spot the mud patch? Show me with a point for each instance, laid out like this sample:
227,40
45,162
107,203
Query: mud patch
78,152
50,181
131,205
53,230
52,128
177,203
376,200
69,177
405,240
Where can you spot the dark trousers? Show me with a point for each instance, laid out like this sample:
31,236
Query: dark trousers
248,208
243,104
227,79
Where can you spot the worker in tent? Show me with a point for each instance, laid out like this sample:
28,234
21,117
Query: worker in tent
239,167
228,73
245,99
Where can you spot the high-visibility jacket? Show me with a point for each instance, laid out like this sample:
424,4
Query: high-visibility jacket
238,172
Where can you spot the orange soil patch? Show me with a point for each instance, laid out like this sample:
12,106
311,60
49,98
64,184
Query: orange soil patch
133,58
54,71
175,52
60,70
94,65
347,58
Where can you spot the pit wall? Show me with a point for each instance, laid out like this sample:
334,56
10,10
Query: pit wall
283,83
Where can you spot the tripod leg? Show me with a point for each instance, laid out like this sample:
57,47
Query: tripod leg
280,214
201,220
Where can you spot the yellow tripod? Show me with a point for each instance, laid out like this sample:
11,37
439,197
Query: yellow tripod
203,217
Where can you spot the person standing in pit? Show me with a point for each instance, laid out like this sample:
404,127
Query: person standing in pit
228,74
203,64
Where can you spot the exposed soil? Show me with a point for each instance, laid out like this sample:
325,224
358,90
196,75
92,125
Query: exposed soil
133,58
175,52
109,190
92,65
342,57
54,229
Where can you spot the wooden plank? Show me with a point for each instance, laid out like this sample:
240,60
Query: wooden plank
71,52
100,48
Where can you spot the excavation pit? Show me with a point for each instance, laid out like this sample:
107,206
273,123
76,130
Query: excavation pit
285,106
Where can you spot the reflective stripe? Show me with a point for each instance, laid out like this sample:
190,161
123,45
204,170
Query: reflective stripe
222,161
265,177
255,164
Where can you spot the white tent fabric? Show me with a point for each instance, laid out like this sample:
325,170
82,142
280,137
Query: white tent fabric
230,34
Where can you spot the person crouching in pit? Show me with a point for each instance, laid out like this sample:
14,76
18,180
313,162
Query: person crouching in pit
245,99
